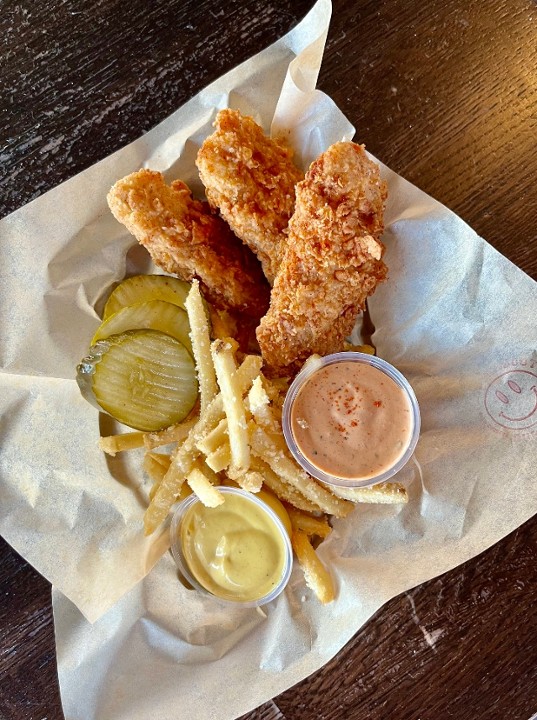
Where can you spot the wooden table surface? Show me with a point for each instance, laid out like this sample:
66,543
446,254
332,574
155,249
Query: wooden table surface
444,92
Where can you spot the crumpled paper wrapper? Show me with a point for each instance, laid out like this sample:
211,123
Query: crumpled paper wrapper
455,317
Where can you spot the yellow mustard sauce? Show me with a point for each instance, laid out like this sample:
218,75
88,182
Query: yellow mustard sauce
235,551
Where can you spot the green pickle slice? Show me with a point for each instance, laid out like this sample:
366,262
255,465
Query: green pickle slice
140,288
146,379
150,315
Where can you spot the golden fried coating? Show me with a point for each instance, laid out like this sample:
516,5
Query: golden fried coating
184,238
251,179
332,260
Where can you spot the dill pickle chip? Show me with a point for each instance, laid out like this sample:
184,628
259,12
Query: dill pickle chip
143,378
150,315
140,288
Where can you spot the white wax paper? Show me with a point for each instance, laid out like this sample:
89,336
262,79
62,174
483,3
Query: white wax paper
455,317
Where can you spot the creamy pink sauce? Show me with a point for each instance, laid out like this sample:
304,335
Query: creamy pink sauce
351,420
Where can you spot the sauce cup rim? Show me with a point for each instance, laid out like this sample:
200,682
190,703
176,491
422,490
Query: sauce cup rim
180,561
308,370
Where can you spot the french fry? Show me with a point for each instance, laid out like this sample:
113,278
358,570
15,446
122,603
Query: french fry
276,389
174,433
244,376
276,386
214,439
155,465
209,473
250,481
187,453
258,397
223,324
316,575
247,371
263,446
220,459
156,471
309,524
259,404
113,444
224,365
170,486
384,493
201,342
367,349
201,484
283,490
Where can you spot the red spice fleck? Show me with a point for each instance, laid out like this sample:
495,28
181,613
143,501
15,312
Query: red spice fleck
377,403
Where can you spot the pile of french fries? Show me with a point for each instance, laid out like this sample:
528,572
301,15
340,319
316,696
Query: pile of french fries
235,434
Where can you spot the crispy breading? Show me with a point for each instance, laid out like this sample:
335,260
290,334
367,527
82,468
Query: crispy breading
184,238
251,179
332,261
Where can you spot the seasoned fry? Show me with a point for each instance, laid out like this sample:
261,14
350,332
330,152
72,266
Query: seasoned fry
224,365
264,447
259,404
250,481
201,484
209,473
309,524
316,575
367,349
283,490
174,433
276,389
201,345
170,486
156,469
214,439
223,324
219,459
113,444
187,453
384,493
156,465
243,378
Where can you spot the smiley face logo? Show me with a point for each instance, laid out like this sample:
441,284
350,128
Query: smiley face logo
511,400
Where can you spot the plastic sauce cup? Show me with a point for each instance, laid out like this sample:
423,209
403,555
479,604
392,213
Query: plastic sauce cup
229,546
351,419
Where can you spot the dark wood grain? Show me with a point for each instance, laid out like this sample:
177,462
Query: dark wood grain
444,93
463,646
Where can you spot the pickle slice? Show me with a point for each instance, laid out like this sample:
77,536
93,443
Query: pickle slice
151,315
143,378
140,288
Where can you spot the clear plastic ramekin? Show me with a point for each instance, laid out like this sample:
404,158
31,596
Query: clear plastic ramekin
182,564
313,366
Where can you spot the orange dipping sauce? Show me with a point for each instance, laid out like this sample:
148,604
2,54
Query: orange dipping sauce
351,421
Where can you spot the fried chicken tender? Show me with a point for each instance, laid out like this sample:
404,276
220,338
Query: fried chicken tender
184,238
333,258
251,179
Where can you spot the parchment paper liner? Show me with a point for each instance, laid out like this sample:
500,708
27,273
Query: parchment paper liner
455,317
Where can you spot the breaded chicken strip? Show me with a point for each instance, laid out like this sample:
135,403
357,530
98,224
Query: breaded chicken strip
332,261
251,179
184,238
